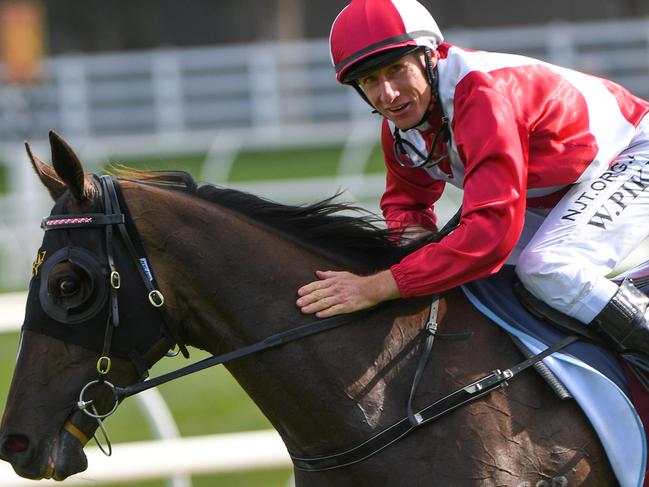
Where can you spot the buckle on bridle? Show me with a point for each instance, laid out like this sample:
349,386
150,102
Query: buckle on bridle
103,365
115,280
156,298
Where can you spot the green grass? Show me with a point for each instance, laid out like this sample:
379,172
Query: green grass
255,165
375,163
264,165
298,163
8,349
4,182
262,478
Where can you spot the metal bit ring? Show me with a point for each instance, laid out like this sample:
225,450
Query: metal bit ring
87,406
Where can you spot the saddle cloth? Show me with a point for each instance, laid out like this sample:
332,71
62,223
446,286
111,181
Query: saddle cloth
592,375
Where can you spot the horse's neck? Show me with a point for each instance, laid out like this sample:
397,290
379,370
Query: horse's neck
234,283
222,269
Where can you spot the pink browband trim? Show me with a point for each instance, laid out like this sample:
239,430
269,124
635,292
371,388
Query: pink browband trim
69,221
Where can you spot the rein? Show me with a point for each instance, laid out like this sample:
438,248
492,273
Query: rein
272,341
114,216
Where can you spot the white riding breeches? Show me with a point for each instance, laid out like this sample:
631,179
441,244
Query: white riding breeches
564,257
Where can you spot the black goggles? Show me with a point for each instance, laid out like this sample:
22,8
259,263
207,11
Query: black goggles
408,155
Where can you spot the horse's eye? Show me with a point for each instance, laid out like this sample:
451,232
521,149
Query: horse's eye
68,287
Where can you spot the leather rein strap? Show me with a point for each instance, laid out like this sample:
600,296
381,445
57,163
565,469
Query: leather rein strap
276,340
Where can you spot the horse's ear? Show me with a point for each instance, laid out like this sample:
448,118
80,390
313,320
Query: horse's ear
68,167
47,175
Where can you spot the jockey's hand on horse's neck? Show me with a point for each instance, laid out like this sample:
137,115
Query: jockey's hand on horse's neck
343,292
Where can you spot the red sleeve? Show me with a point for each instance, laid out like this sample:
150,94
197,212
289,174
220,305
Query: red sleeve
493,146
409,193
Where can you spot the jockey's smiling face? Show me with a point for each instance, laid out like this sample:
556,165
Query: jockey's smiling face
400,90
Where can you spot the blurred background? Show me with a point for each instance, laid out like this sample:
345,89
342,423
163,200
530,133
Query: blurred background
238,92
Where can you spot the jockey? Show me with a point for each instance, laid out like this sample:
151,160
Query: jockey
554,165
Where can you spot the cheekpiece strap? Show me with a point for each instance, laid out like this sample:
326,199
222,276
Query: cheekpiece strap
138,254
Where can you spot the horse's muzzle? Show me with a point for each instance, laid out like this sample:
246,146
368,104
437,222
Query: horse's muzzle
58,458
18,450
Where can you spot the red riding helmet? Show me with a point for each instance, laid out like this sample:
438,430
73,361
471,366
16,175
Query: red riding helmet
366,28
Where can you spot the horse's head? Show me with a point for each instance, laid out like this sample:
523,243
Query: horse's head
88,323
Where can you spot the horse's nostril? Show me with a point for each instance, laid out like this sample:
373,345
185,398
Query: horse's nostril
15,444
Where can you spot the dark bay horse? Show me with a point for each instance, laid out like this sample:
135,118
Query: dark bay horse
228,265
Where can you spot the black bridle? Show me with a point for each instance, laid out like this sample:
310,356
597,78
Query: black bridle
104,276
115,215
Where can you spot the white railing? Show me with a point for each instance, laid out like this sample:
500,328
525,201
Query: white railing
173,92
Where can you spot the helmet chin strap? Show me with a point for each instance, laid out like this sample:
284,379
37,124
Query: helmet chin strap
431,75
360,91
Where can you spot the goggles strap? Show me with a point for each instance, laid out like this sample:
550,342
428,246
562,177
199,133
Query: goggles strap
401,147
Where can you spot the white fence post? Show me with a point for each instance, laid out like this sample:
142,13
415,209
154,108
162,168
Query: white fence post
72,96
167,93
264,86
560,44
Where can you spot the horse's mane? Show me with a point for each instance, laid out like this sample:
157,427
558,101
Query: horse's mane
343,232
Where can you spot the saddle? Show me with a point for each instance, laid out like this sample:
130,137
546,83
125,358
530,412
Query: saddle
574,327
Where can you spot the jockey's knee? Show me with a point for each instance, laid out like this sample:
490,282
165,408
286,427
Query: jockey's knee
565,282
554,281
533,272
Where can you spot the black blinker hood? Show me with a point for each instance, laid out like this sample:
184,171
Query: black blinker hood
139,322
